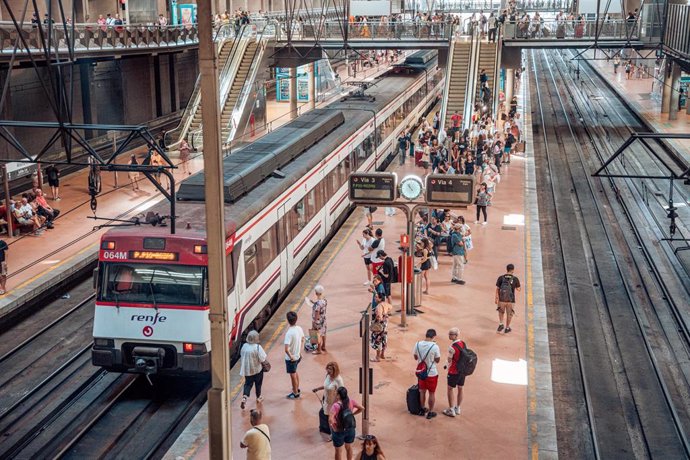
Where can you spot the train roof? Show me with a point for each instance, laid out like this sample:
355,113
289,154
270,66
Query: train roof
356,112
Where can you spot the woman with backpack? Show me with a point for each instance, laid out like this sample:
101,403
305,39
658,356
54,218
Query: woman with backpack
343,423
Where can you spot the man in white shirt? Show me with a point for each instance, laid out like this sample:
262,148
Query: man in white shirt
294,342
428,352
257,439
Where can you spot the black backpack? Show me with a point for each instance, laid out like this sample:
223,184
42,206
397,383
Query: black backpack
347,418
505,291
467,361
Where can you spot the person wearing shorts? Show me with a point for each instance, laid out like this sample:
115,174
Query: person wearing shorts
506,285
294,342
455,378
427,351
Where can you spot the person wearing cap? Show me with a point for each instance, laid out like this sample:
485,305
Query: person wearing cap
428,351
457,249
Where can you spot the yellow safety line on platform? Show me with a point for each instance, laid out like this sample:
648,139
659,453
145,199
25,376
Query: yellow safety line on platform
59,264
530,341
296,306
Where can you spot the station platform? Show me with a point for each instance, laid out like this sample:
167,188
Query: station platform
507,411
640,94
38,262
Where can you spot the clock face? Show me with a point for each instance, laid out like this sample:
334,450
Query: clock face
411,188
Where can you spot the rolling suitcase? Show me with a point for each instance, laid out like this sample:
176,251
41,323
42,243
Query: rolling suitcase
413,400
323,422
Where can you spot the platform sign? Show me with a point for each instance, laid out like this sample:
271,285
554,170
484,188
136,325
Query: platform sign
450,189
379,187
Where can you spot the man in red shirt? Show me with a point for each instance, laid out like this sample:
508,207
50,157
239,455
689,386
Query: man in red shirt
455,378
455,120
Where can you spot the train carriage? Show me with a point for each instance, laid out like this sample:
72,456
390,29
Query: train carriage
284,197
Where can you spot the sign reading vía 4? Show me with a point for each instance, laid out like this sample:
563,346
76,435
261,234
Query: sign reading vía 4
450,189
377,187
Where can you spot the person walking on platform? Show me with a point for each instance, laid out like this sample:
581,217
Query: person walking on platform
457,244
455,378
53,175
506,285
294,342
3,266
252,357
402,146
481,201
343,423
427,354
257,440
318,318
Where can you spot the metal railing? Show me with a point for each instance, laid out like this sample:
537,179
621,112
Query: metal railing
616,29
457,6
374,30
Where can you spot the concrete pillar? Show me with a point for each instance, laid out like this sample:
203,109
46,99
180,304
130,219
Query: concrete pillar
312,86
675,85
666,89
293,92
509,85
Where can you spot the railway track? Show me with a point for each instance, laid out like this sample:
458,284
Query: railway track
624,399
55,404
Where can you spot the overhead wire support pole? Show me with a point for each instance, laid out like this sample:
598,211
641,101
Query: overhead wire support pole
219,394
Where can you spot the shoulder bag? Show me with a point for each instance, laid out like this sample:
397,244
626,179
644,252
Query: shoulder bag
265,365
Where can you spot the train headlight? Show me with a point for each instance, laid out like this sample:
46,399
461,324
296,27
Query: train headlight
200,249
108,245
105,343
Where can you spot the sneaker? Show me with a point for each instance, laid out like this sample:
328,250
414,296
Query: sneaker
58,199
366,283
500,328
450,412
460,281
293,396
476,221
430,415
508,330
457,410
243,403
454,280
485,222
422,412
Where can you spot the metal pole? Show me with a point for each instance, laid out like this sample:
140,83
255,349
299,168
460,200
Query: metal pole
364,377
114,152
8,210
410,254
219,417
403,289
293,92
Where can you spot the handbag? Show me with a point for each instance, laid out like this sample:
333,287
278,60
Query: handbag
265,365
434,262
376,326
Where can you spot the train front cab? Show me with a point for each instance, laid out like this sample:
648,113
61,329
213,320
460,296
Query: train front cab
151,313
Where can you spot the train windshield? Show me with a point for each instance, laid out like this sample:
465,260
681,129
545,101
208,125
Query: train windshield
154,284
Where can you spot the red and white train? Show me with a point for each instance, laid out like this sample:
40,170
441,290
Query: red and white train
152,306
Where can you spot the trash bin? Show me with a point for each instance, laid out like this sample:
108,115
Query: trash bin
417,288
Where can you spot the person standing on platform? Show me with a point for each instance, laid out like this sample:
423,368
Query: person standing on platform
371,449
3,266
426,351
455,378
365,245
386,272
53,175
185,150
330,386
343,423
376,288
318,318
252,355
457,248
257,440
294,342
506,285
379,328
133,175
403,146
481,201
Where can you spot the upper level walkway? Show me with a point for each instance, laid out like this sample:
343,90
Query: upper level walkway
476,6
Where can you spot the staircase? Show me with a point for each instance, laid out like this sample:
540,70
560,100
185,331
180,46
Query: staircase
487,61
457,79
234,93
222,59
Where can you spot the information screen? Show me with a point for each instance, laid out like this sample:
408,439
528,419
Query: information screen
379,187
450,189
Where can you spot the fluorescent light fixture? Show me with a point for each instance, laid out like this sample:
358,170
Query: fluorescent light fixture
510,372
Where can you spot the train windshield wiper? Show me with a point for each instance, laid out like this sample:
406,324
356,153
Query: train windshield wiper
153,296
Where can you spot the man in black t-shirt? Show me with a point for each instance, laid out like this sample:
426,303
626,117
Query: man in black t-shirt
506,285
3,266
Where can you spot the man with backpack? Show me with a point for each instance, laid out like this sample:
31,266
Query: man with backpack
456,379
427,354
506,285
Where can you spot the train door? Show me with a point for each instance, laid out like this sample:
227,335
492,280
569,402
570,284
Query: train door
284,244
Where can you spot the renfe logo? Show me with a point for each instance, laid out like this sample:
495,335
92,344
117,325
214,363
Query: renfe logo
158,318
148,331
112,255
